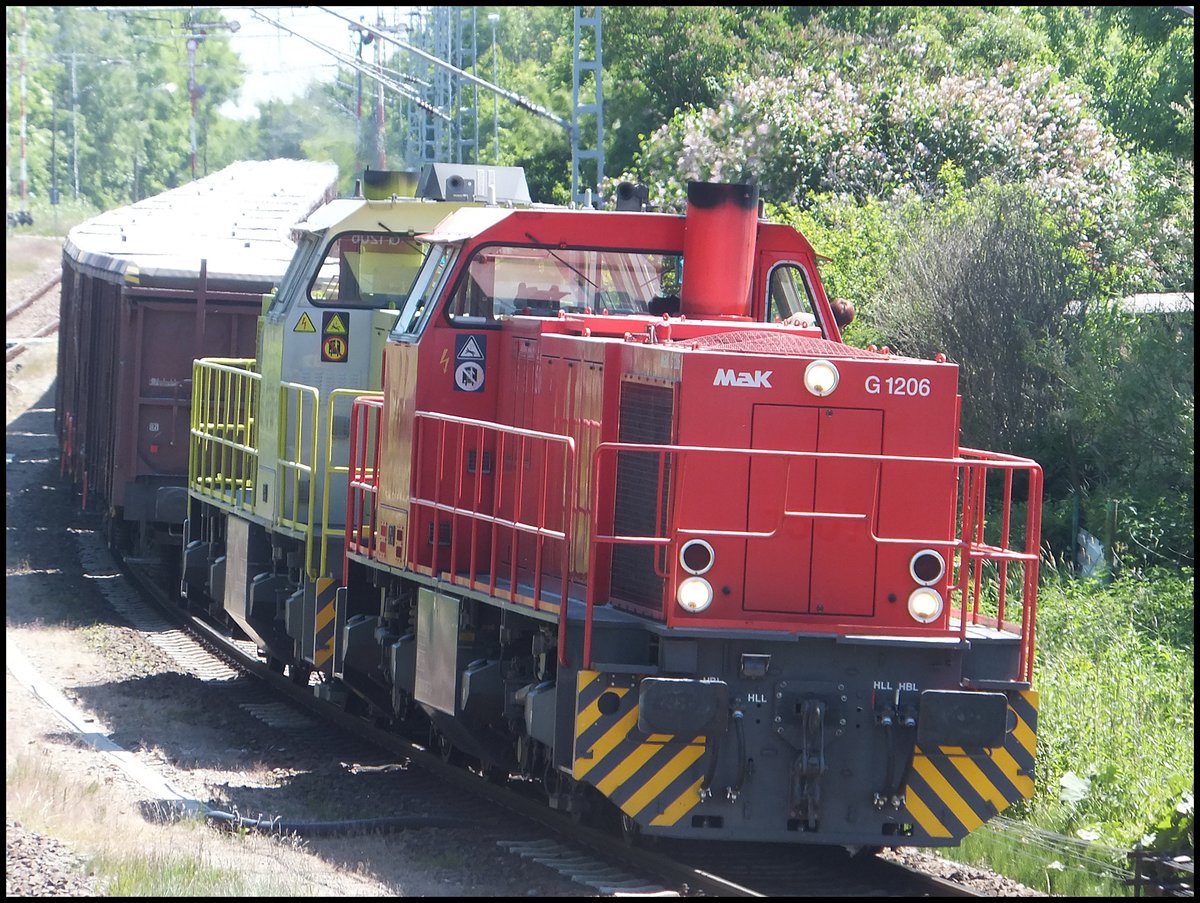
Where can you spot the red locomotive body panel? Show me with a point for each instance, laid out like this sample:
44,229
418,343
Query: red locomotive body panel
809,554
818,539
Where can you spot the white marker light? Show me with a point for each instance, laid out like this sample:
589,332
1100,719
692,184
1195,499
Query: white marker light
924,604
694,594
821,378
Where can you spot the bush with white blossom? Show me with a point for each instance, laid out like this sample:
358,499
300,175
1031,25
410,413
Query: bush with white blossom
824,133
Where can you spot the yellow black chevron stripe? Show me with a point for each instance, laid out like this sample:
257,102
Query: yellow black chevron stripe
952,791
652,777
325,624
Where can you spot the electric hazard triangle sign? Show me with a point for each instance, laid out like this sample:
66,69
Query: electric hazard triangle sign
304,324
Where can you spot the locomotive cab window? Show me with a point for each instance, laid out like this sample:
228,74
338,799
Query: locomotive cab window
504,281
789,298
473,303
366,269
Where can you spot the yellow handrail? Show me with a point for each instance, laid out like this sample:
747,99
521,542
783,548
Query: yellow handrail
296,453
223,441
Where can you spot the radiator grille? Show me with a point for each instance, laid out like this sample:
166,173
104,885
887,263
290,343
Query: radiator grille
763,341
641,510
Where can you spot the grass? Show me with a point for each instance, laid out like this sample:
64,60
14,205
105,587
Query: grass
54,221
1023,852
170,875
1116,732
24,254
131,857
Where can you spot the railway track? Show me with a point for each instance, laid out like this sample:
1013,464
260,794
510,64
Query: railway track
25,324
600,860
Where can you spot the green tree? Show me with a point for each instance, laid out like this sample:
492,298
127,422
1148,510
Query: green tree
1129,425
663,58
107,90
988,284
1138,60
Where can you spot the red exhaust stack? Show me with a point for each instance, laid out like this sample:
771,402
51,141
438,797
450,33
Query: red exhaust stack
718,249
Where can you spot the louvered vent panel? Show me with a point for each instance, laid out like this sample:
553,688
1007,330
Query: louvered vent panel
646,416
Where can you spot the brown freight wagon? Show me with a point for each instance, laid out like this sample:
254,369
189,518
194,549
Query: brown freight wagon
146,289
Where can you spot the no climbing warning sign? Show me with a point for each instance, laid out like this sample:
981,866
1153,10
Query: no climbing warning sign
335,336
470,362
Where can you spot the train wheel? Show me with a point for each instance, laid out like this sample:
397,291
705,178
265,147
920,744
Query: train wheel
493,774
580,810
118,534
192,600
563,793
605,816
450,753
355,705
590,807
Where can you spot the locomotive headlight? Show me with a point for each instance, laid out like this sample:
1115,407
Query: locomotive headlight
821,378
927,567
696,556
694,594
924,604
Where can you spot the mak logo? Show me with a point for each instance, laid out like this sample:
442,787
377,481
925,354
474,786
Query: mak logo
759,379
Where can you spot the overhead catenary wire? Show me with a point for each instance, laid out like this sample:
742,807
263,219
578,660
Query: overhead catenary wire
369,71
510,96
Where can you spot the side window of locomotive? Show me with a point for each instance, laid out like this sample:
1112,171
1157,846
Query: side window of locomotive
473,302
789,299
426,289
292,285
504,281
363,269
638,283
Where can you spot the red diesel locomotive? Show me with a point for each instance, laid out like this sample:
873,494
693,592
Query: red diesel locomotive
630,518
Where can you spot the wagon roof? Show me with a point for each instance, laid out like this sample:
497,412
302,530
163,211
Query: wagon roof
240,220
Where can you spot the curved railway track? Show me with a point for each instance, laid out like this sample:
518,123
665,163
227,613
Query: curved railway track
576,850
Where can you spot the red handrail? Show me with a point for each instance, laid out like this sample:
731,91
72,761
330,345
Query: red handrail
972,468
363,478
501,437
460,497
